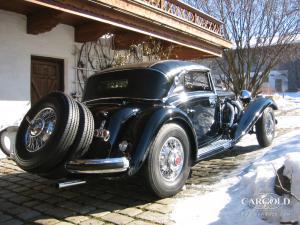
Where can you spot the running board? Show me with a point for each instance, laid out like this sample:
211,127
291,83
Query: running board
219,145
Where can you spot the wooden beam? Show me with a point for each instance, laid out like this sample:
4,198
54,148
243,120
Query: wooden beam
43,21
146,21
92,31
179,52
124,39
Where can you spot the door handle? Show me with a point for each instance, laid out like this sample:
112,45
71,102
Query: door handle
190,111
212,101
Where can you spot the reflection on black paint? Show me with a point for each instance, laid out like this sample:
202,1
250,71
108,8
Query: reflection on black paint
203,119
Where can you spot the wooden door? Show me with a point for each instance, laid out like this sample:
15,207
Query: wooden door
47,74
278,85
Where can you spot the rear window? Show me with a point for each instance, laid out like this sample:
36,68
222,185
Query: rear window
137,83
109,85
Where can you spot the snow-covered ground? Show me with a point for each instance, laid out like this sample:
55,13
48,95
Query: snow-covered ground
292,96
288,121
247,197
228,201
288,100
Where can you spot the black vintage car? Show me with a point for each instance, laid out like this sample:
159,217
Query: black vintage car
157,118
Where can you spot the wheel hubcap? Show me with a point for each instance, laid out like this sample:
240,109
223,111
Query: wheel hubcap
171,159
40,129
270,128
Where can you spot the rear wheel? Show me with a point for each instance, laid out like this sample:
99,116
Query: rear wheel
47,133
168,164
265,128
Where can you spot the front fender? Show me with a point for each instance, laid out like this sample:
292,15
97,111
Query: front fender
251,115
156,121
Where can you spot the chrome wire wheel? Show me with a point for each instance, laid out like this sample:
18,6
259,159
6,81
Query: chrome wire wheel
40,128
270,125
171,159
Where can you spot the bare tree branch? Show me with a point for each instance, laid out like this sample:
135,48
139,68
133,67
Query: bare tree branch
262,33
101,54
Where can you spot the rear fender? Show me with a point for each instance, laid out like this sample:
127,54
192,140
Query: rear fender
155,122
117,120
252,113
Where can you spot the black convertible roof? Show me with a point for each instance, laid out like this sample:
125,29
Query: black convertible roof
168,67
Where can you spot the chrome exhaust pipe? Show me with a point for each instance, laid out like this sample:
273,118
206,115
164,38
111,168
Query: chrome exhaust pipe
69,183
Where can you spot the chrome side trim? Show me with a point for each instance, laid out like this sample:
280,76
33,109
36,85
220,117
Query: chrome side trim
122,98
219,145
98,166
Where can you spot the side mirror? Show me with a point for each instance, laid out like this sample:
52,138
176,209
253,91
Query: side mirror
246,96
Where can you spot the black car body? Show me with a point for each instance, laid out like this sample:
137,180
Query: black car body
131,105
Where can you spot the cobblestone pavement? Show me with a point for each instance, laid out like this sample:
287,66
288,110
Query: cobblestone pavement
30,199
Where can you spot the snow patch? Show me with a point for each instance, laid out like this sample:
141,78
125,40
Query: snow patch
287,101
292,171
232,201
286,122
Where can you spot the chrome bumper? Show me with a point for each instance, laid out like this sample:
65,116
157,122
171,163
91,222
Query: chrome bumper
98,166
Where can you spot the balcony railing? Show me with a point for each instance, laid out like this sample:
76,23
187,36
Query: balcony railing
187,13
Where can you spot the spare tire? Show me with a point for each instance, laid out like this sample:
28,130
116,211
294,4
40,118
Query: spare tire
7,139
81,144
46,133
85,132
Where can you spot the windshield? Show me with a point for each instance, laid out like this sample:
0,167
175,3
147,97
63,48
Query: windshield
137,83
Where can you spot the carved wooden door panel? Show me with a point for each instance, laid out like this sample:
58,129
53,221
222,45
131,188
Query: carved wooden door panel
47,74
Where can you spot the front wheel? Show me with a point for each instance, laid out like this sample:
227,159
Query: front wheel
168,164
265,128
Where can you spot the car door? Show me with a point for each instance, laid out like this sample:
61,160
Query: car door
201,105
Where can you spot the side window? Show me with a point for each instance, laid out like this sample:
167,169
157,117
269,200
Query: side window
197,81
